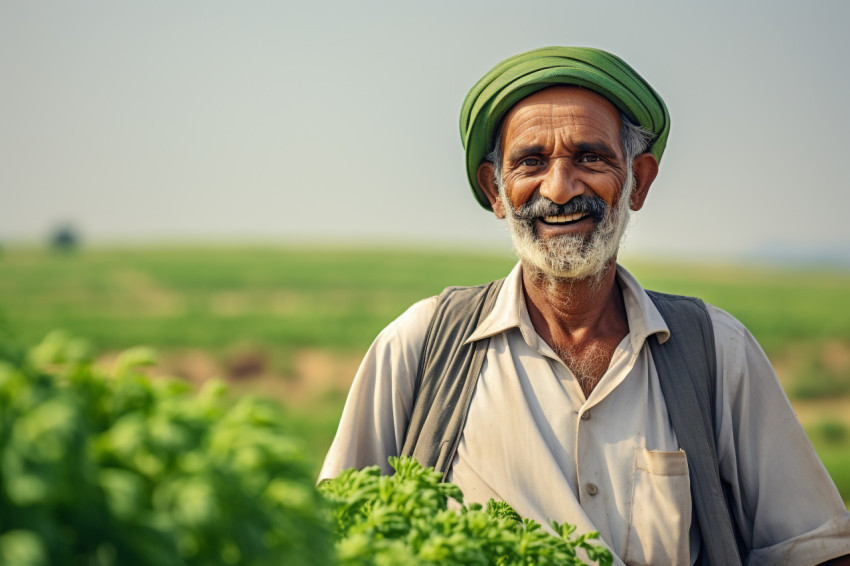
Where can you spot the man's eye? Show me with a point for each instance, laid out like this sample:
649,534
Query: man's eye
590,158
530,162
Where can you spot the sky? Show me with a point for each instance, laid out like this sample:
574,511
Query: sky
337,122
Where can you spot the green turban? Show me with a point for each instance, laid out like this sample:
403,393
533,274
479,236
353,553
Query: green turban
522,75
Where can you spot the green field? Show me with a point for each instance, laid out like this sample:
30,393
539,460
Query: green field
214,297
291,322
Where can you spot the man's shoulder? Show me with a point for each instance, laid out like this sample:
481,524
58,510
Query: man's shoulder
679,302
456,297
735,346
733,342
723,323
413,321
452,304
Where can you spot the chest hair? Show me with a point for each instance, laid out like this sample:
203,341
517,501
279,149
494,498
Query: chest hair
588,362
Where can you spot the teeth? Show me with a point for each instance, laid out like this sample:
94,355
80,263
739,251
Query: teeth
563,218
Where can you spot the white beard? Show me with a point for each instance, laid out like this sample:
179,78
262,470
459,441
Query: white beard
571,256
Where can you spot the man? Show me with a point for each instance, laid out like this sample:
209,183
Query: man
566,413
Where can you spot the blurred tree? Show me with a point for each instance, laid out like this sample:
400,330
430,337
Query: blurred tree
64,238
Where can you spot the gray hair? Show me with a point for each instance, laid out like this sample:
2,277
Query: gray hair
633,138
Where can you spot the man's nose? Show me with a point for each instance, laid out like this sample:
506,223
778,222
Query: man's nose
561,182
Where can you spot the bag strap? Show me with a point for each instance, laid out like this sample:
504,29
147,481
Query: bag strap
687,371
448,371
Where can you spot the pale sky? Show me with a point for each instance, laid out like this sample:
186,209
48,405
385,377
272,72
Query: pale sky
337,121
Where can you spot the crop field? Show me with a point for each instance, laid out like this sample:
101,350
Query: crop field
292,322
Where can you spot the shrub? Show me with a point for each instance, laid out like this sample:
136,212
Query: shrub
101,470
404,519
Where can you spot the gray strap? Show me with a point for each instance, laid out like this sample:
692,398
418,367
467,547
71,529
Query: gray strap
448,372
687,368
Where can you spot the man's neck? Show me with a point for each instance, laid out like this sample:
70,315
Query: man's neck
582,320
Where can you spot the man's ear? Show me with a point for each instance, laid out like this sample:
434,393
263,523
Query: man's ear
645,170
487,182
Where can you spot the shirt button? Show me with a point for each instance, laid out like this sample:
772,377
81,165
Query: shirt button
585,415
591,489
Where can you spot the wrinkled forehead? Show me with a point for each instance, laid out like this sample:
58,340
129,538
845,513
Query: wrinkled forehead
568,109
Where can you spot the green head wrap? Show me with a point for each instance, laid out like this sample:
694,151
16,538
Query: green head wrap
522,75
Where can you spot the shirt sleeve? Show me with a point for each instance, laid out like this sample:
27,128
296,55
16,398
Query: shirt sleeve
376,414
787,507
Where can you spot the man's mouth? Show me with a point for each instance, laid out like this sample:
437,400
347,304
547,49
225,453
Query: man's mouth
565,218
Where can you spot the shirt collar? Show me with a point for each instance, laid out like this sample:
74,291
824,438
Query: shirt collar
510,311
643,316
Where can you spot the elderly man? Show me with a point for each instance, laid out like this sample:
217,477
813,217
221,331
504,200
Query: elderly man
568,390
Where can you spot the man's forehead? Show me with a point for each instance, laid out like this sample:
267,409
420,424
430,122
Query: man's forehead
564,95
580,110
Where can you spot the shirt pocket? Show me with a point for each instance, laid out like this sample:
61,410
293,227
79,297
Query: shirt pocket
660,509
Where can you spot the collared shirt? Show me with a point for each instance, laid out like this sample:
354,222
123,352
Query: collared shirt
609,462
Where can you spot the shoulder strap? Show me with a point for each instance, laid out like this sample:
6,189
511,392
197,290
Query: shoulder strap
687,370
448,372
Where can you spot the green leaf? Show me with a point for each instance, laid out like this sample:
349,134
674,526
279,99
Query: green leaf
22,548
404,519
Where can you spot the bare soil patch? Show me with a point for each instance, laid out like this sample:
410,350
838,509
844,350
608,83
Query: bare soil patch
315,372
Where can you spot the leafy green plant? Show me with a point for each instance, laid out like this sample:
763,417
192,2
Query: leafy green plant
405,519
101,470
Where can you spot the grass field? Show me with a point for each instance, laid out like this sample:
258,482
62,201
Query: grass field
213,297
292,323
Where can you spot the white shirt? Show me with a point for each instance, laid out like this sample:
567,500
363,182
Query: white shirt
611,462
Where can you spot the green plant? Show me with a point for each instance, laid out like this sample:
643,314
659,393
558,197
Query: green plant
101,470
405,519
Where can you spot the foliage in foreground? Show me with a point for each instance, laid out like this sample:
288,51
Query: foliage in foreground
404,519
101,470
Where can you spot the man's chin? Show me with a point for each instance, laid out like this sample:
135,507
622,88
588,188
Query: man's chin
565,256
561,269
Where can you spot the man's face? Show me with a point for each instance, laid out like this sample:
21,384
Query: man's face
563,177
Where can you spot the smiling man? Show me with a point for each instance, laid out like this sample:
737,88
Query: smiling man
568,390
